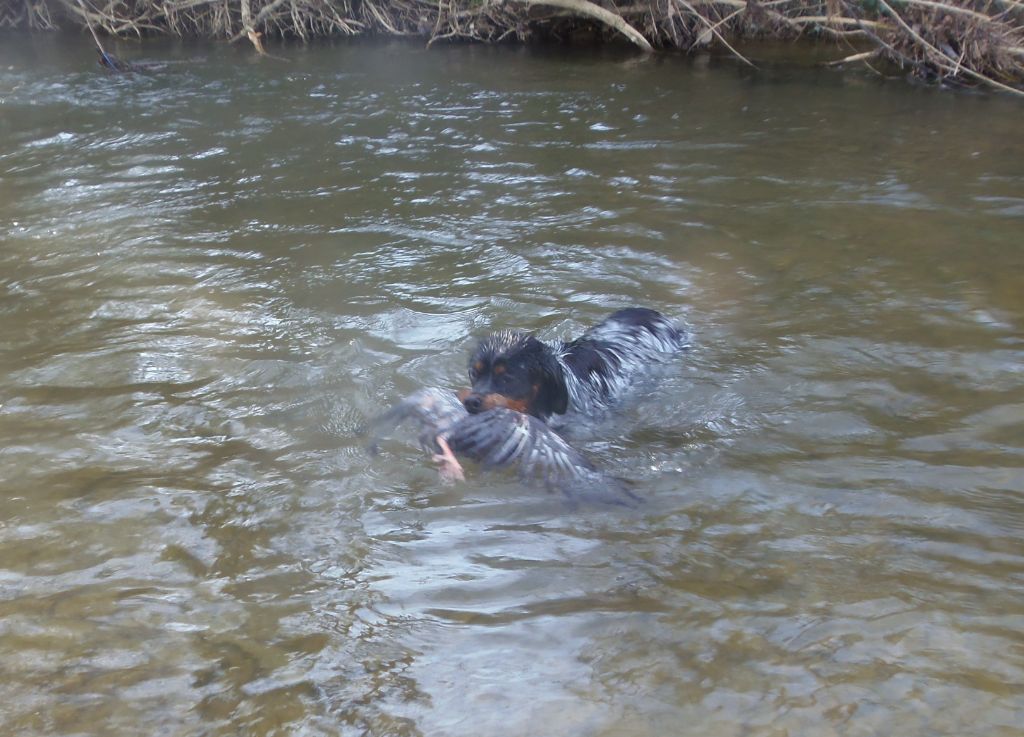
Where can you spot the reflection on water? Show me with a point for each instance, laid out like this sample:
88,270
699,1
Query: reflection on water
210,276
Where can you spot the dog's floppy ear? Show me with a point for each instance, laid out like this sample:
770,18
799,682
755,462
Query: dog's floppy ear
552,396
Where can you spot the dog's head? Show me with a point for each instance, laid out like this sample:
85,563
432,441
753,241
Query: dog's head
515,370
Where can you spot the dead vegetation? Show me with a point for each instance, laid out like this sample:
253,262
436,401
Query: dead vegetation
961,42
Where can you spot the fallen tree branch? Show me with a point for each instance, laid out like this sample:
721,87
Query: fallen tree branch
587,8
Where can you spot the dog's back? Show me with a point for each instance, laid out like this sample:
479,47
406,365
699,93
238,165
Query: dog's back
603,363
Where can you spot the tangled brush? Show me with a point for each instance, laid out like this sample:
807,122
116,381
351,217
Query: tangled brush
958,42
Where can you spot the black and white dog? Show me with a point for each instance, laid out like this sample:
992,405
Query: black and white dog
516,370
520,383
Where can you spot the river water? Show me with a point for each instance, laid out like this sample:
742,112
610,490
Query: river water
211,274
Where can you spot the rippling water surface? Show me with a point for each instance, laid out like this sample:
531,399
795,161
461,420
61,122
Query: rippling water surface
211,274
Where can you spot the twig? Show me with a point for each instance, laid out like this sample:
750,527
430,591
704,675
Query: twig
88,23
253,22
107,60
725,20
854,57
717,35
835,20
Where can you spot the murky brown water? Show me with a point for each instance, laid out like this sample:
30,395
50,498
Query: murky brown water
210,275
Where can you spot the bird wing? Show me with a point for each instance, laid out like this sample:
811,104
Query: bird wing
501,438
431,411
504,438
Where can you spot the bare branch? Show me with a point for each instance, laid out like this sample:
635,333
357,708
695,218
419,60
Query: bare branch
587,8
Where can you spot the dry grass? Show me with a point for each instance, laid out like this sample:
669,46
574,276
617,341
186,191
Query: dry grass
964,42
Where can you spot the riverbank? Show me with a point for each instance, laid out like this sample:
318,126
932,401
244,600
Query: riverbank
953,42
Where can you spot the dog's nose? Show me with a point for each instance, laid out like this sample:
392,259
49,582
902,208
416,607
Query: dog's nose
473,403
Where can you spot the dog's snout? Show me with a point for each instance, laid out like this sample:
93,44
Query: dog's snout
473,403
